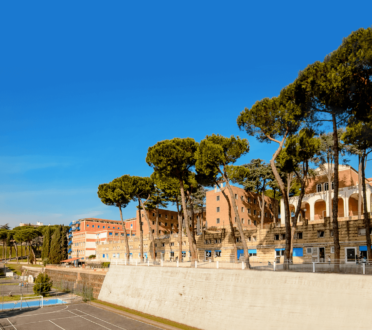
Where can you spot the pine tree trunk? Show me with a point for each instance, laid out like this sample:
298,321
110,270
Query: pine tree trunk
336,237
329,176
238,221
151,236
141,231
192,221
125,234
183,199
33,253
16,250
263,209
366,214
179,215
231,224
360,170
157,223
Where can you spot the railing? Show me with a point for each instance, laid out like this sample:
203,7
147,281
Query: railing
340,267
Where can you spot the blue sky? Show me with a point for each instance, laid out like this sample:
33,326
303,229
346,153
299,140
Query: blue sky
86,87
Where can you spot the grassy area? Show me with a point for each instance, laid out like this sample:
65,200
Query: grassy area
146,316
17,268
16,297
21,252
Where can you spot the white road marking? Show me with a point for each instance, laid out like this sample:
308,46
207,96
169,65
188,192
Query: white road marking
100,319
61,310
11,324
92,321
57,325
127,317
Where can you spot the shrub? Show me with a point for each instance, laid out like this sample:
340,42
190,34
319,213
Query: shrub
92,256
105,264
43,284
45,261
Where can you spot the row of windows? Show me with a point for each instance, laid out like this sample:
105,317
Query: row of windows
166,215
324,186
165,224
214,241
103,227
249,212
249,200
249,238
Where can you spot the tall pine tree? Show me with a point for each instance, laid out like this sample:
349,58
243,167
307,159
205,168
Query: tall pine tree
55,255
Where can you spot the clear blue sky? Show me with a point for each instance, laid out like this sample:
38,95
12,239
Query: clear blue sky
87,86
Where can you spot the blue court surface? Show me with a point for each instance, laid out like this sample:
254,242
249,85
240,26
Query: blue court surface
68,317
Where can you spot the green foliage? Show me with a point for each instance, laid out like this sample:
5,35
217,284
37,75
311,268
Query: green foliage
269,119
105,264
46,243
92,256
43,284
46,261
216,152
64,242
299,148
173,158
55,255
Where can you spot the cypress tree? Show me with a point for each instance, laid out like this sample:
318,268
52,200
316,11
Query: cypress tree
55,254
46,243
64,242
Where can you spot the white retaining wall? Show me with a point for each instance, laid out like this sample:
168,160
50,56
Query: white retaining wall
235,299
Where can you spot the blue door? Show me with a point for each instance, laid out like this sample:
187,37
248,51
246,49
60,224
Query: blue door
240,253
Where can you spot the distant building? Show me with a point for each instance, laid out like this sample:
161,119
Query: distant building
38,224
84,234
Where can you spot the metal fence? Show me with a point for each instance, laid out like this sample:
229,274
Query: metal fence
260,265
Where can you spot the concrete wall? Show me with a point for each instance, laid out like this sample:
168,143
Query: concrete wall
74,277
228,299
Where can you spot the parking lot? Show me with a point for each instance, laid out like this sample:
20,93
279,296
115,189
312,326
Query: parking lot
70,317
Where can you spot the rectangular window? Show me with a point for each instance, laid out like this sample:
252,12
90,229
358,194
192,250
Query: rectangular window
153,231
255,222
249,211
254,212
242,220
162,244
110,234
362,231
332,249
319,187
252,252
172,244
217,198
333,185
270,206
331,232
265,215
159,215
241,197
217,253
153,214
103,227
320,233
166,216
249,238
309,250
238,239
254,201
242,209
249,199
282,236
236,196
276,237
98,226
326,186
218,209
249,221
171,216
166,224
87,225
299,235
153,222
218,220
116,234
254,238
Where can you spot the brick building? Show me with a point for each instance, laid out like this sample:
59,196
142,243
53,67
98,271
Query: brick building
85,233
315,204
248,207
